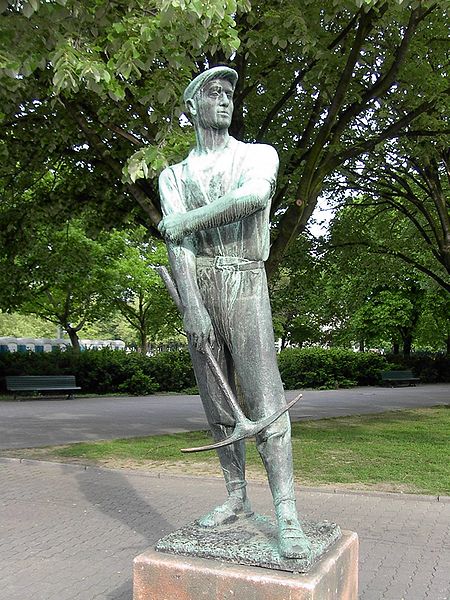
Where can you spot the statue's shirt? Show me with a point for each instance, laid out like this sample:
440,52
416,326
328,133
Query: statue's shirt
199,180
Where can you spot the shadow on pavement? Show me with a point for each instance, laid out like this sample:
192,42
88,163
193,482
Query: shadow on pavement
124,592
113,494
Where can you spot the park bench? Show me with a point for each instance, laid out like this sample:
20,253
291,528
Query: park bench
394,378
41,383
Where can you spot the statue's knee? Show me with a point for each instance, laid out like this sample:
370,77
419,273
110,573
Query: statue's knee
279,429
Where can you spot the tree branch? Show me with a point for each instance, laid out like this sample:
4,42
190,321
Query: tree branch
292,88
384,82
365,25
393,131
396,254
124,134
96,142
282,101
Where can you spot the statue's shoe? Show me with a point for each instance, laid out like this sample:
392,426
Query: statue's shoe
293,543
226,513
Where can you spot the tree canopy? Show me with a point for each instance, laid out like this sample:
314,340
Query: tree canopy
402,209
61,275
139,293
378,299
72,279
91,91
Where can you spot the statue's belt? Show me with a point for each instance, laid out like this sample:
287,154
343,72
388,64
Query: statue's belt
233,263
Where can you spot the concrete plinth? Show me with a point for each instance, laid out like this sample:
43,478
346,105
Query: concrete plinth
160,576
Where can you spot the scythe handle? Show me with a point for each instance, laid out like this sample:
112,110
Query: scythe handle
170,285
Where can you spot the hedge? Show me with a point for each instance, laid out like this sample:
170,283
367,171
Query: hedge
108,371
329,369
431,367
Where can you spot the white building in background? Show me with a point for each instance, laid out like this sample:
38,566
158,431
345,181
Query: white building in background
11,344
98,344
8,344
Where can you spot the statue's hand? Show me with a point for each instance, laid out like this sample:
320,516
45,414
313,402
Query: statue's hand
198,327
172,227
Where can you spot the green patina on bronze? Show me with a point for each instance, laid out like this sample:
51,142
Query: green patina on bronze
216,206
249,541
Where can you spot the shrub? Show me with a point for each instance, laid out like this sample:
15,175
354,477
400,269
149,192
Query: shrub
430,367
139,384
321,368
106,371
172,370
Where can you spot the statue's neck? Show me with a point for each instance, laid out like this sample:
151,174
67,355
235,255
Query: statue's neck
211,140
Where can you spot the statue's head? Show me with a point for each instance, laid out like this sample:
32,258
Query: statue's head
209,98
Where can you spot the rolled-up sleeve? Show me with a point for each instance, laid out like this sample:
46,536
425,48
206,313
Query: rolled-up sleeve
261,164
171,201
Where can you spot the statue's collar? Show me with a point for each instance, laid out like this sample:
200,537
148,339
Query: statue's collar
231,144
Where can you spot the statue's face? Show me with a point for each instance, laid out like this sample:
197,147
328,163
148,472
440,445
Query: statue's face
214,104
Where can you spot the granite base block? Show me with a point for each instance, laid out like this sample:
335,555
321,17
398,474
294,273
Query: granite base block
161,576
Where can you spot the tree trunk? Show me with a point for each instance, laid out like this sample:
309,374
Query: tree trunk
74,340
143,343
361,346
395,348
407,344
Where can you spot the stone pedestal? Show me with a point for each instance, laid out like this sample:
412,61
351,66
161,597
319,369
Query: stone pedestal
162,576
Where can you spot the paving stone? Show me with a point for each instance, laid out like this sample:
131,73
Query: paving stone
71,534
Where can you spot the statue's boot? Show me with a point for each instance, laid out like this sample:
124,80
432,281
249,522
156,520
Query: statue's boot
232,460
274,445
292,541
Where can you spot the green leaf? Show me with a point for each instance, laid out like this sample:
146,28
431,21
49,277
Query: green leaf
119,27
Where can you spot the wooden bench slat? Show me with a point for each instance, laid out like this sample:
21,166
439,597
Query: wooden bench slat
48,383
45,387
37,378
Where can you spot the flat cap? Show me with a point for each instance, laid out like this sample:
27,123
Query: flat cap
221,72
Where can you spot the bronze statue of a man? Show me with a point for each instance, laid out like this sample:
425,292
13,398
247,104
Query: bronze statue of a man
216,207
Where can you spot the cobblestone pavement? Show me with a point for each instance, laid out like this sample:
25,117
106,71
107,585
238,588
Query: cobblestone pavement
71,533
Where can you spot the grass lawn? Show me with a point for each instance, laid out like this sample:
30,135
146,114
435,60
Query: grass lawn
406,451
